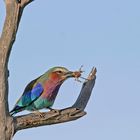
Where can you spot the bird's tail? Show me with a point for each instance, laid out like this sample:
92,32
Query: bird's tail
16,109
12,112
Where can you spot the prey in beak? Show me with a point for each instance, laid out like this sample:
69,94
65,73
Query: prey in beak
75,74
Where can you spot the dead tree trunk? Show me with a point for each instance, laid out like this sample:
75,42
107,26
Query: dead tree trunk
6,41
10,125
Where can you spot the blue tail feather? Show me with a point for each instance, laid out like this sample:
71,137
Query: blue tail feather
16,109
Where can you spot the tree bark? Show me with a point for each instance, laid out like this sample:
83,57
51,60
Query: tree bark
13,14
10,125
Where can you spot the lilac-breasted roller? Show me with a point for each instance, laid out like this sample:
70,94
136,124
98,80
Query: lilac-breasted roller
41,92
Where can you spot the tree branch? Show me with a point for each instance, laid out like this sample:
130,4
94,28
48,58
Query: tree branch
10,125
14,12
47,118
25,2
63,115
86,91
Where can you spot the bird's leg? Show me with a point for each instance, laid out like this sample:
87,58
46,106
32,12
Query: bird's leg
49,108
41,114
54,110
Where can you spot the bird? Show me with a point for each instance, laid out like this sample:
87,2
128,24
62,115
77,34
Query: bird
41,92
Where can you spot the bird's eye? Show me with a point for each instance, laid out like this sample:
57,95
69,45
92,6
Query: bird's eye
59,72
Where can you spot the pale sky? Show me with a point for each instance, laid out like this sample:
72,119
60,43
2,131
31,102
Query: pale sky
71,33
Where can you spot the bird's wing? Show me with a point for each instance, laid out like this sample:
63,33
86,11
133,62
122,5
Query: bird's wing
30,96
31,93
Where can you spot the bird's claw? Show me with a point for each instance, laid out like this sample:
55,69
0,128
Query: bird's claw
40,114
54,110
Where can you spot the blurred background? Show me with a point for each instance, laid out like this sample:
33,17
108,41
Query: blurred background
104,34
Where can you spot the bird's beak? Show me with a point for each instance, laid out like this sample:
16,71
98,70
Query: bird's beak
74,74
69,74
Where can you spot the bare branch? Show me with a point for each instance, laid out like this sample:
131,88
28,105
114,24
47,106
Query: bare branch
13,15
25,2
64,115
86,91
47,118
10,125
14,12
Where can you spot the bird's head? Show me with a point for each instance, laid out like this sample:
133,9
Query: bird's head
61,74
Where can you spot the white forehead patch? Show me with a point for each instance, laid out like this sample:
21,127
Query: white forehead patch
61,69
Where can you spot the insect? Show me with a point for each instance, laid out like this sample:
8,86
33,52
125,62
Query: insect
78,74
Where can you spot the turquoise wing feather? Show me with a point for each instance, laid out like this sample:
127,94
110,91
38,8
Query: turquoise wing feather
29,96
